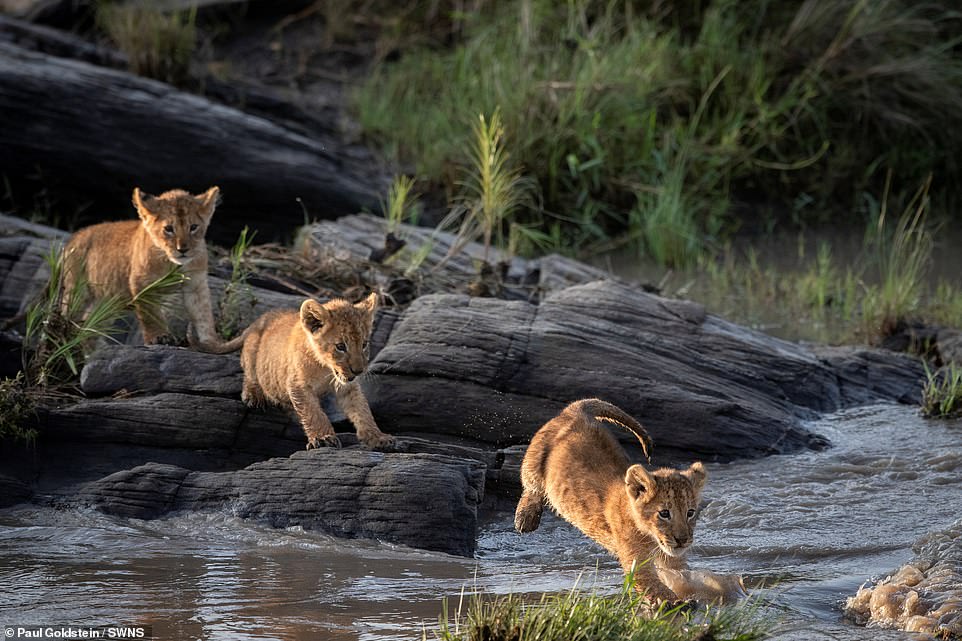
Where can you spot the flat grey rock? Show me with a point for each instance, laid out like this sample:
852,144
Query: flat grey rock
425,501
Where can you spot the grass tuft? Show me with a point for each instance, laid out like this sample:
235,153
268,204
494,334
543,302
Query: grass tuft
493,188
158,44
942,392
578,615
401,204
902,256
238,299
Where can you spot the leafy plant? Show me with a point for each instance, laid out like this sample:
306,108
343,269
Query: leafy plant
493,188
942,392
238,298
158,44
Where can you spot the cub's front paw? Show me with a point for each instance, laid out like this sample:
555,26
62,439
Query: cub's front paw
329,440
378,441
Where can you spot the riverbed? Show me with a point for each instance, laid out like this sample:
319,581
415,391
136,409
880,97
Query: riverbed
805,531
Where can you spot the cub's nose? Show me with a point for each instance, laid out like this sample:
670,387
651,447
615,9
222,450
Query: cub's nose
682,541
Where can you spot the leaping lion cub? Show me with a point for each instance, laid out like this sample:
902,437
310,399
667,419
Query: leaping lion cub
575,465
122,258
292,358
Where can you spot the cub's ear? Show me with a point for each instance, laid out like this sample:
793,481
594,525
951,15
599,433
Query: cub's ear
639,483
209,201
697,475
313,315
140,200
368,305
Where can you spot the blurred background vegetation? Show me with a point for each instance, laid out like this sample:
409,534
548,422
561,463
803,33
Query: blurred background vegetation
669,126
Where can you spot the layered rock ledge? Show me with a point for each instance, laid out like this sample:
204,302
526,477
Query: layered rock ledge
462,381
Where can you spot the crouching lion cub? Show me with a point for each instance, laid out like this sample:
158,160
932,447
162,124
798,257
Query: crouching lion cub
575,465
292,358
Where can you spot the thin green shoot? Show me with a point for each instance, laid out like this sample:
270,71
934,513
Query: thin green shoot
942,392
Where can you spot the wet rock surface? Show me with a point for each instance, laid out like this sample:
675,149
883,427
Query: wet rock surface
425,501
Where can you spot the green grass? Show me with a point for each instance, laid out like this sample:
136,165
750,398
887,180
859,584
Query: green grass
492,188
902,256
401,205
158,44
648,128
829,293
238,299
942,392
579,615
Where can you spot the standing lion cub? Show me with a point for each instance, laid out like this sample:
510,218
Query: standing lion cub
122,258
292,358
577,467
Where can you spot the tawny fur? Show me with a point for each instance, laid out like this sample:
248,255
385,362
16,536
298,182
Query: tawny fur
122,258
575,465
292,358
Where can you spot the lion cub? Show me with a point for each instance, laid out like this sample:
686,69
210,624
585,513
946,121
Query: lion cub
577,467
122,258
292,358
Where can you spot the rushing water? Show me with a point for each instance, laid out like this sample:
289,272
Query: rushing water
805,531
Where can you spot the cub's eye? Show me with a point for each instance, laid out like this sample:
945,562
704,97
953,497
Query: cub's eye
341,347
691,513
193,228
665,514
169,230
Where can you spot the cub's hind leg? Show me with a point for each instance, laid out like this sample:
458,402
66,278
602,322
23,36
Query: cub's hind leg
527,516
251,393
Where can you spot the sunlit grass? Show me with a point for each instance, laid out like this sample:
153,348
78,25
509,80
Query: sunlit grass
238,298
580,615
942,392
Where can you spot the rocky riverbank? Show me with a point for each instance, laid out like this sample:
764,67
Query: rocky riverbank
463,381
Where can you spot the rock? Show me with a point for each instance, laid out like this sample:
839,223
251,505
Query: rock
445,260
866,375
56,42
161,138
23,272
13,491
702,386
949,343
424,501
156,368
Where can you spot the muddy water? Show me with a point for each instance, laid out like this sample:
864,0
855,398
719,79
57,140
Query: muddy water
806,531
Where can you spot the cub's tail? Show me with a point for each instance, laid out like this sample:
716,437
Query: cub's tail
595,408
226,347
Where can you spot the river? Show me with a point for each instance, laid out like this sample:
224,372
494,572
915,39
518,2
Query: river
805,531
